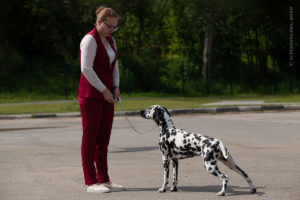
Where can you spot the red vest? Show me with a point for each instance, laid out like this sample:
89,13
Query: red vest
102,68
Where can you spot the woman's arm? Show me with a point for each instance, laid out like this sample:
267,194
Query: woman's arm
116,75
88,47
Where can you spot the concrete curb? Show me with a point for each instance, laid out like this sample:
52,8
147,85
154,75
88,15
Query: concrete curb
172,111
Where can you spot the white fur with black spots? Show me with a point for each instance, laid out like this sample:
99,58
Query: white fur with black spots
178,144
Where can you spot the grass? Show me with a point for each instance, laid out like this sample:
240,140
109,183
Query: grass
25,97
129,102
40,108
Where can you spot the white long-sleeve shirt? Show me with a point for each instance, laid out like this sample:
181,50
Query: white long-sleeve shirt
88,48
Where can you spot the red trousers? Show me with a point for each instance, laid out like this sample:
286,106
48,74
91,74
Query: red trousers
97,120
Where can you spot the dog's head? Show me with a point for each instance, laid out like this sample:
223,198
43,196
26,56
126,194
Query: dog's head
155,112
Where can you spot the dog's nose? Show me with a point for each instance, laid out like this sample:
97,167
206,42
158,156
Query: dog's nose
142,112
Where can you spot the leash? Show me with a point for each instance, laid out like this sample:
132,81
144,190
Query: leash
130,124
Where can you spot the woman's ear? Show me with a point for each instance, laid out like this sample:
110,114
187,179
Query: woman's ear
98,22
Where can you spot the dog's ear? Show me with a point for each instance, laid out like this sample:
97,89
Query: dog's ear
156,114
167,111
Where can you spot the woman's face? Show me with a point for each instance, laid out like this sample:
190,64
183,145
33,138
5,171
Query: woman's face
108,27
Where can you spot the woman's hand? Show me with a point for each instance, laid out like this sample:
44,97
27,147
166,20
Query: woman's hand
108,96
117,92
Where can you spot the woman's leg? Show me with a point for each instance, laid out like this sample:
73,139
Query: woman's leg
91,111
103,142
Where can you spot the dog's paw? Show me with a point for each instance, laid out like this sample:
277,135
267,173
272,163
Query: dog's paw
253,190
220,193
173,189
162,190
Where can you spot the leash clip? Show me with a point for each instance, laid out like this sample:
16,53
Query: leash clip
117,99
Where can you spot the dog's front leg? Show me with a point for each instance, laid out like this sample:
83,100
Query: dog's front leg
175,175
166,163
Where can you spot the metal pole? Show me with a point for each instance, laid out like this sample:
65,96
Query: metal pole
182,75
30,83
65,81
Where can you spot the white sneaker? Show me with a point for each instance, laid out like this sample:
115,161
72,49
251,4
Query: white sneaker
113,186
98,188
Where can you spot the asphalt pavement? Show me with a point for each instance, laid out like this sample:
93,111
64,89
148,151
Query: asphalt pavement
40,158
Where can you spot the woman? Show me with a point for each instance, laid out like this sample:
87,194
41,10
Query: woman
97,93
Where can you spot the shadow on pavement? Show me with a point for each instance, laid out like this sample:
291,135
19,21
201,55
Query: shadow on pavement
231,191
28,128
134,149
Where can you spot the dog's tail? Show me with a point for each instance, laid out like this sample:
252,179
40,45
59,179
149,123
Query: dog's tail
224,150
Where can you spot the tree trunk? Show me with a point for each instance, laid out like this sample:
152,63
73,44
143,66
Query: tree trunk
206,68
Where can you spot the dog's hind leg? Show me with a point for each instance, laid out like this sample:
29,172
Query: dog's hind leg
166,163
175,175
233,166
211,166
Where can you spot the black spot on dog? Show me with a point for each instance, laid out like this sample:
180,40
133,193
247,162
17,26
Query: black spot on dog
198,149
214,173
198,137
207,142
244,173
182,149
215,146
209,156
173,132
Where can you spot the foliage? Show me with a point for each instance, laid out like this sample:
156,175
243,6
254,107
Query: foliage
160,45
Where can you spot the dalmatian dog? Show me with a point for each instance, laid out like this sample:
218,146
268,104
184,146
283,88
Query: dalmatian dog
178,144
